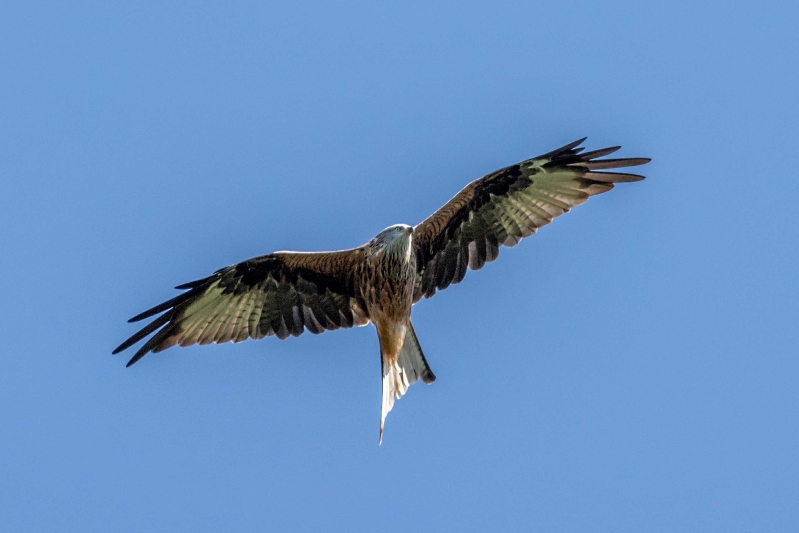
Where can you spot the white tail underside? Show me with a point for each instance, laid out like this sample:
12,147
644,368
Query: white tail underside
407,370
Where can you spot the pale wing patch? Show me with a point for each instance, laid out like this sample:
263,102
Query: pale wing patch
198,315
505,206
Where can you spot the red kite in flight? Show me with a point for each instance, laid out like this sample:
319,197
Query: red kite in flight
285,293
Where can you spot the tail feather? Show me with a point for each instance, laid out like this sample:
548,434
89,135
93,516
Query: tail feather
410,367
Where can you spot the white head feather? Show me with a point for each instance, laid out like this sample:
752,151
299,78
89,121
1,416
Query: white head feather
395,240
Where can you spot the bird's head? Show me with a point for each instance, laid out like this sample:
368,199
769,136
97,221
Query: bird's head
395,240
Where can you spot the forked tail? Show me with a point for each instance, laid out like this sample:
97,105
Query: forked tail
408,369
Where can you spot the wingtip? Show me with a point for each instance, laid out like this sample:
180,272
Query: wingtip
593,154
563,150
125,345
615,177
140,316
574,144
144,350
633,161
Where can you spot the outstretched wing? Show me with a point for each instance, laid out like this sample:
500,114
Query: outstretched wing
505,206
277,294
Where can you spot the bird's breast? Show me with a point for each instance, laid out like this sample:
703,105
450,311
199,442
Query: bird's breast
389,287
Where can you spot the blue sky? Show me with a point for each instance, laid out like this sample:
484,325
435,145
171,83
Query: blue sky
632,367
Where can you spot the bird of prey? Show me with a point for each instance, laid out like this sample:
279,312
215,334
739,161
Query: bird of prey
285,293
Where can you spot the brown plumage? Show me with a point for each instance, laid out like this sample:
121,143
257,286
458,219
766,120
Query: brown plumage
285,293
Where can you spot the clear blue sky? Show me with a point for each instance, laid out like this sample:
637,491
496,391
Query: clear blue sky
632,367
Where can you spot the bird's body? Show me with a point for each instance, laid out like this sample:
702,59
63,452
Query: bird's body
389,280
390,274
285,293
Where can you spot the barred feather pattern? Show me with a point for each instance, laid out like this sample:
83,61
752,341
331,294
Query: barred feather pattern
279,294
502,208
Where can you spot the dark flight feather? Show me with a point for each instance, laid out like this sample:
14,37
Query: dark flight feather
507,205
277,294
